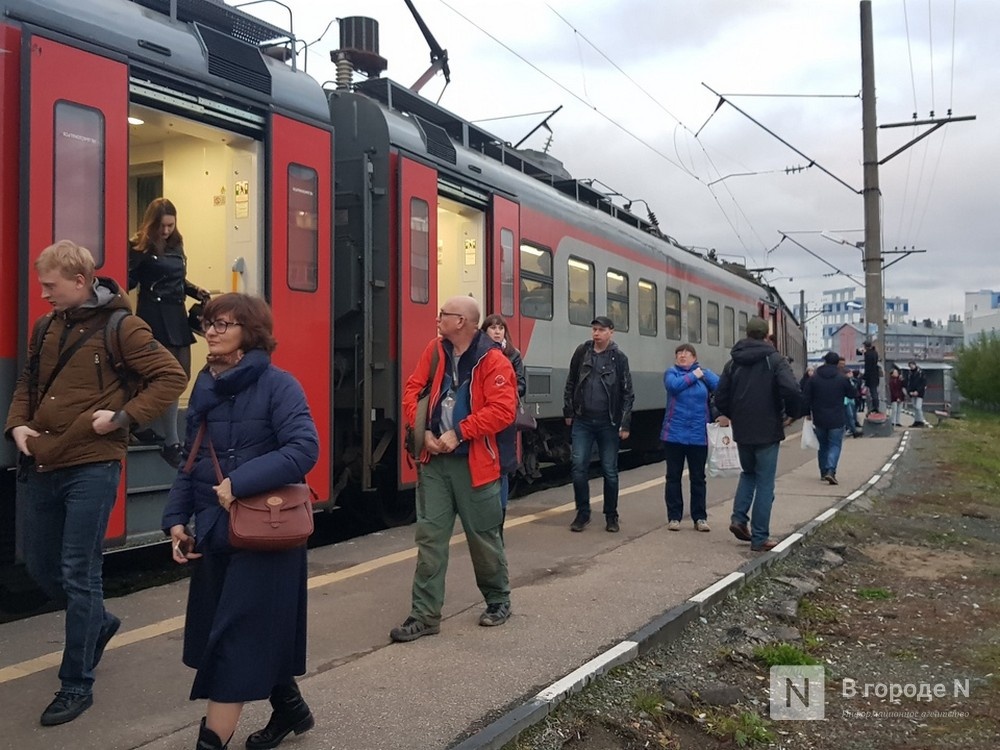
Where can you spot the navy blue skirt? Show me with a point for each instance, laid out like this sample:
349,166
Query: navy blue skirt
245,630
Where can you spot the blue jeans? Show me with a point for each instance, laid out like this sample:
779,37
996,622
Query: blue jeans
65,518
584,434
918,409
755,491
673,493
831,440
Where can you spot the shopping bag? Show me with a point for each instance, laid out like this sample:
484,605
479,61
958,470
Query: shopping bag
809,440
723,455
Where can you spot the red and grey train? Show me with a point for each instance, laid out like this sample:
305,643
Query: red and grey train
355,212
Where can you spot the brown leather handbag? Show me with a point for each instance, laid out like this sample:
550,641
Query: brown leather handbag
271,521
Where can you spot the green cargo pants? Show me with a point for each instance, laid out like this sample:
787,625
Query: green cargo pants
444,490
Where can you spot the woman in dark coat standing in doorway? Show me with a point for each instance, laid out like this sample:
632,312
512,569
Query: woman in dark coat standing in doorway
245,630
158,266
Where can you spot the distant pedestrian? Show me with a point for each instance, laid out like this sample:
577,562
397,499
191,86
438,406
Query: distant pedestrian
823,398
472,397
245,624
861,391
685,436
496,328
897,395
810,370
597,406
758,392
69,418
872,376
916,386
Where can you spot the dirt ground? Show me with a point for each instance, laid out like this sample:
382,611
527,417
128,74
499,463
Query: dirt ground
899,593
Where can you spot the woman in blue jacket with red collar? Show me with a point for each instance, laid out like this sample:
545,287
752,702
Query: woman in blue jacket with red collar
685,436
245,630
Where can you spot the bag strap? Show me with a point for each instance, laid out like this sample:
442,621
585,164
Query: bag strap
202,432
423,402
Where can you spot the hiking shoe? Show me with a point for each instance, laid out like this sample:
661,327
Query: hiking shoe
702,525
831,478
411,629
579,523
495,614
766,545
107,633
612,525
673,525
65,707
741,531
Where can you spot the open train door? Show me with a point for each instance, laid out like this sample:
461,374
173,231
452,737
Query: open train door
505,237
300,269
75,172
418,283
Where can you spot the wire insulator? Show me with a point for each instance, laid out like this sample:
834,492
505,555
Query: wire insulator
345,73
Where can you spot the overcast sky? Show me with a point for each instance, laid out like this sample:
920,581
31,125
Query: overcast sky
629,76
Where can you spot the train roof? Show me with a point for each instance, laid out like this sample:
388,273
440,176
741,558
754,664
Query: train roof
418,126
208,42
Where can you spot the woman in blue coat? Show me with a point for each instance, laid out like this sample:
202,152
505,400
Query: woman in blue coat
685,436
245,630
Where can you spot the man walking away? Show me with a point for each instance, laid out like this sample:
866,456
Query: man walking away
916,386
597,405
472,393
758,392
872,375
823,397
70,417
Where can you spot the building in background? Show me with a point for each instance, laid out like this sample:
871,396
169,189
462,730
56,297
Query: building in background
840,307
982,314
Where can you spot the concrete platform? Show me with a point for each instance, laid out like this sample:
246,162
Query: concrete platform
574,596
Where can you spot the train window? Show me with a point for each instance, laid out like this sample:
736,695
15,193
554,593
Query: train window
618,299
713,323
419,251
536,282
728,326
303,228
672,299
506,272
694,319
581,291
743,325
78,177
647,308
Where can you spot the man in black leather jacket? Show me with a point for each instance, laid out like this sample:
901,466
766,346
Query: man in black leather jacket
597,405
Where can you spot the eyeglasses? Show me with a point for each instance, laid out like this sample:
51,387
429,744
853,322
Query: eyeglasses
443,313
220,326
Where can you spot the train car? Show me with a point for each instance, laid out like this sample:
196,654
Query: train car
429,206
107,104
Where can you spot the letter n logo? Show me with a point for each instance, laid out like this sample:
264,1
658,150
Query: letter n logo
797,693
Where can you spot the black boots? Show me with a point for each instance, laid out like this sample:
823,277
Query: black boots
291,714
209,740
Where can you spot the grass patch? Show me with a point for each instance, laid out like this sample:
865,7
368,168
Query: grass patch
746,729
783,654
816,613
875,594
967,447
646,701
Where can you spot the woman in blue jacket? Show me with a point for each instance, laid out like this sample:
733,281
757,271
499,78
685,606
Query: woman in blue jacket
245,630
685,436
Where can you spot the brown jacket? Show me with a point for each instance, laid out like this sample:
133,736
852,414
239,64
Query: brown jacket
88,382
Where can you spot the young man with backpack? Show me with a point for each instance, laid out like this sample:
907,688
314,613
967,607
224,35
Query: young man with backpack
69,418
759,394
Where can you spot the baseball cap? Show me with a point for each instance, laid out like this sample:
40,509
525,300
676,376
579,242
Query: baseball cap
757,325
603,322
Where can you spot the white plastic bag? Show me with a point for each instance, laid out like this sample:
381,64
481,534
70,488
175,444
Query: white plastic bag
723,455
809,440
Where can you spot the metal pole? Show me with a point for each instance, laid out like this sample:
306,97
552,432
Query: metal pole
874,296
802,326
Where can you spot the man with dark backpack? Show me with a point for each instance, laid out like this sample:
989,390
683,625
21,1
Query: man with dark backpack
69,418
759,394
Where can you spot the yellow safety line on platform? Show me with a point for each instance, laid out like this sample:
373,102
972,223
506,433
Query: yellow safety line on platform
129,637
